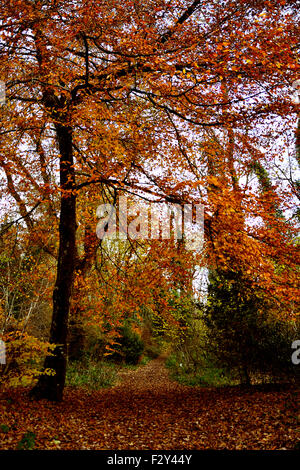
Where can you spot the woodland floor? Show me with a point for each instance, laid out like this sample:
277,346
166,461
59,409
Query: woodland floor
146,410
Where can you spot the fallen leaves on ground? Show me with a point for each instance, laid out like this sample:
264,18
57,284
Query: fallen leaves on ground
146,410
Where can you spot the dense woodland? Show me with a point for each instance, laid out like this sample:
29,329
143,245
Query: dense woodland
164,102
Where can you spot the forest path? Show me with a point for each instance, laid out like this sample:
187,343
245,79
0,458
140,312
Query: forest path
147,410
153,377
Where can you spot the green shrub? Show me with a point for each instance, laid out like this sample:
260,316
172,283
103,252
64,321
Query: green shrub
27,442
130,347
93,376
4,428
206,374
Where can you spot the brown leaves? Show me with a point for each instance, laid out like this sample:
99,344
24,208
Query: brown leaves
148,411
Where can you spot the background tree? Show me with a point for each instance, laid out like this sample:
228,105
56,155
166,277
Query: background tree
244,334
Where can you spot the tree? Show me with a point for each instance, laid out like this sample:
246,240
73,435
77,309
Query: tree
24,292
118,85
244,334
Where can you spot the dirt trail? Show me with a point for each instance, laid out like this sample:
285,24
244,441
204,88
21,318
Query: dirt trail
153,377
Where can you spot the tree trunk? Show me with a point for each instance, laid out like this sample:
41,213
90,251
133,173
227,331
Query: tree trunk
51,386
76,336
245,376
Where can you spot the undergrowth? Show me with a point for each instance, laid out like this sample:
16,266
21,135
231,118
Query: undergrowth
92,375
